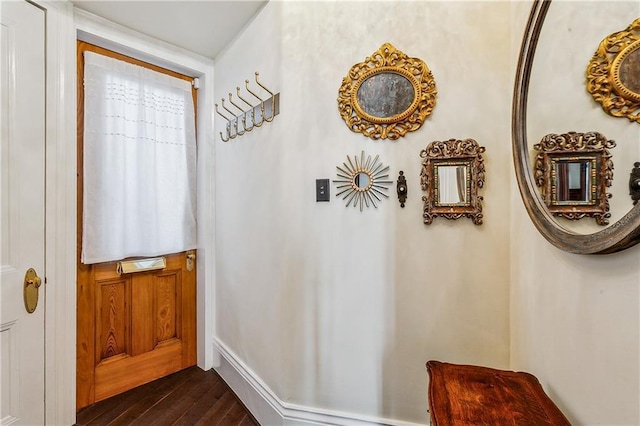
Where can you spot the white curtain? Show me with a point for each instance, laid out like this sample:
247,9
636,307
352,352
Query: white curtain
139,162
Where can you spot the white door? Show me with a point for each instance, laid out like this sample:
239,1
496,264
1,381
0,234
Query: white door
22,133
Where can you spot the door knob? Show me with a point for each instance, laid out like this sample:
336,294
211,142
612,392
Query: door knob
32,283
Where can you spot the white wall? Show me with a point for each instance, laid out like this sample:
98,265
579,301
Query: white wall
575,319
337,309
333,308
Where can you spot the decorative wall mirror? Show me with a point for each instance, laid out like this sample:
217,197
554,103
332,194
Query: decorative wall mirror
387,95
574,171
613,74
452,171
622,234
361,181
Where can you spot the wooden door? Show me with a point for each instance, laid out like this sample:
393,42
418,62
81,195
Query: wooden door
22,217
132,327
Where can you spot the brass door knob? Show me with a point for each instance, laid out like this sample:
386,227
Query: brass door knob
32,283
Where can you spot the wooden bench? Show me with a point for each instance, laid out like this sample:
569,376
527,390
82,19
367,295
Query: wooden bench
472,395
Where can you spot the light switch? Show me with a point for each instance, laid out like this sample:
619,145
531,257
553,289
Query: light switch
322,189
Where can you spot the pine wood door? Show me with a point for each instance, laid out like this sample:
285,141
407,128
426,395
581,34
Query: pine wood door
132,328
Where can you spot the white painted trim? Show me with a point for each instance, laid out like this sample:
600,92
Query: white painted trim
60,206
268,409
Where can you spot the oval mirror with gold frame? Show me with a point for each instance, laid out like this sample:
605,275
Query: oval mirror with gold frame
620,235
613,74
387,95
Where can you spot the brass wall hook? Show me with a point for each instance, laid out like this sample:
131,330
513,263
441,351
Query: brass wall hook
267,111
235,121
253,123
228,126
243,115
246,83
273,100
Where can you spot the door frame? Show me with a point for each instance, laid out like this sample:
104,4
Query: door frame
101,32
64,25
60,227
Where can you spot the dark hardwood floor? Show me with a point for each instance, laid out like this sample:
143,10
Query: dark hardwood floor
188,397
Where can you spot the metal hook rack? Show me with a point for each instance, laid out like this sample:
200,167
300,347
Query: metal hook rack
245,120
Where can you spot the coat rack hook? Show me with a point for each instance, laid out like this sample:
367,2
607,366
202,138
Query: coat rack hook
260,84
221,114
273,100
235,122
253,122
241,98
245,119
234,104
246,83
244,116
228,125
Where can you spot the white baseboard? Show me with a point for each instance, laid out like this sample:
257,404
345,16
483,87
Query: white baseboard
269,410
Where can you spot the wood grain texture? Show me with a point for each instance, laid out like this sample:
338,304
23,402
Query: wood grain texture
170,291
189,397
166,314
133,328
142,313
120,374
113,318
473,395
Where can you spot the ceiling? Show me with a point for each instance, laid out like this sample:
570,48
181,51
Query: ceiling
204,27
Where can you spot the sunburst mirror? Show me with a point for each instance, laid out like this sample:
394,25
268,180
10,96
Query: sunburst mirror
361,182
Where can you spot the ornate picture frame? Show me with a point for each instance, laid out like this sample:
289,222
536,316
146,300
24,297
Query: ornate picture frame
387,95
613,74
574,171
452,172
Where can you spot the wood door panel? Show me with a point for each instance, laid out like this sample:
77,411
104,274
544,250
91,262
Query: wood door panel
144,327
167,316
143,318
113,318
119,375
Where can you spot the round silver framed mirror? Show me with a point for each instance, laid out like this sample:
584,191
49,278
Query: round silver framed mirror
622,234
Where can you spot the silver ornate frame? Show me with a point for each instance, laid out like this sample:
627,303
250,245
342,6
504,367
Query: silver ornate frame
622,234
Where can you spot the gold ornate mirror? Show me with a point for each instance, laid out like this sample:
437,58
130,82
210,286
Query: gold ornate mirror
613,74
625,231
574,171
387,95
452,171
361,181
